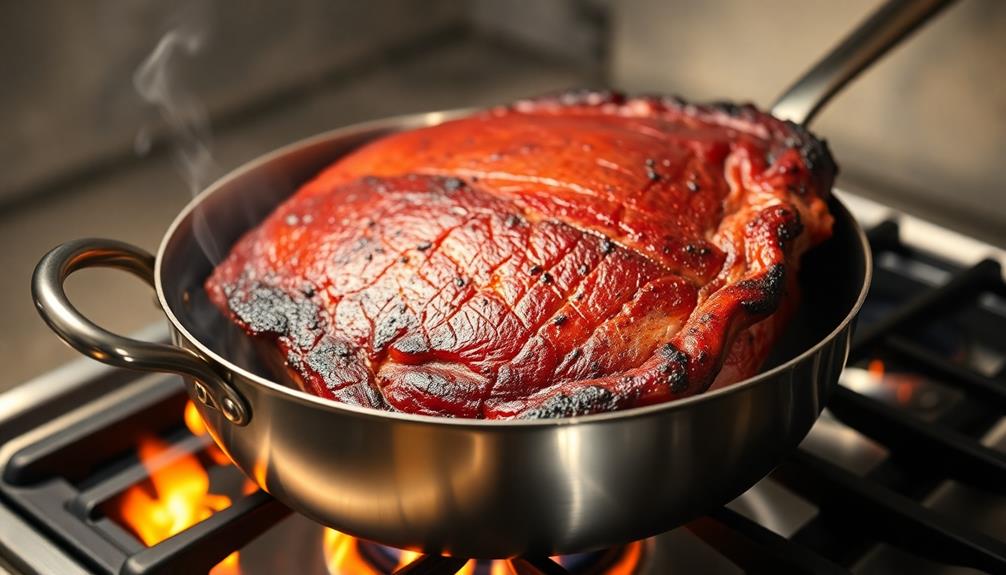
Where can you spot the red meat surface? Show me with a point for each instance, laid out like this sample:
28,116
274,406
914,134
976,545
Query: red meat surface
557,257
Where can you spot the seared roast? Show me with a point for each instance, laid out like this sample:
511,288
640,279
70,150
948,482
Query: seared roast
557,257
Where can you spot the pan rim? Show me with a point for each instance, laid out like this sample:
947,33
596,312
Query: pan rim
430,118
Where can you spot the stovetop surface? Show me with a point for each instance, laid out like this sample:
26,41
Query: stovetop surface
905,472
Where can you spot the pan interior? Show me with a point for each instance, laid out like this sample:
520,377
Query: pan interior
831,275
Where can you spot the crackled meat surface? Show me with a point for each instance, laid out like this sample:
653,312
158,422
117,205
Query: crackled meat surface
557,257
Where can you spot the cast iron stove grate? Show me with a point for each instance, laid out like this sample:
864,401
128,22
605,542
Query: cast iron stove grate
61,479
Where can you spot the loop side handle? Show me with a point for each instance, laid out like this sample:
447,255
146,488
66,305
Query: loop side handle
96,342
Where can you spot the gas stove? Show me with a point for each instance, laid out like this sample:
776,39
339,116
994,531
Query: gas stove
108,471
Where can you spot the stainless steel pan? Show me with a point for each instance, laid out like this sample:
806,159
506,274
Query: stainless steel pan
467,487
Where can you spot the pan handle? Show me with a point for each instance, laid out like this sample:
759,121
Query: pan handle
71,326
871,39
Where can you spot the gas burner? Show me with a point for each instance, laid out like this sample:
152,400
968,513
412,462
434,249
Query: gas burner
367,558
894,384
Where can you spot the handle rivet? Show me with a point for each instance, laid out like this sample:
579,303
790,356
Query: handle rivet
201,394
231,410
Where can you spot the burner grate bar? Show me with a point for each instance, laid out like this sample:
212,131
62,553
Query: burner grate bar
84,504
890,516
984,389
885,236
73,451
537,566
962,457
963,287
756,549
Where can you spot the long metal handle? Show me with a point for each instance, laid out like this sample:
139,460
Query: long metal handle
892,22
96,342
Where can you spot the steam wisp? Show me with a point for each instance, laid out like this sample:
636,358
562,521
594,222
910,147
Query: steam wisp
183,115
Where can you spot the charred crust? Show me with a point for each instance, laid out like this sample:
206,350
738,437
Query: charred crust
675,377
365,395
673,101
729,108
412,345
430,383
512,220
697,250
452,184
675,369
269,310
790,228
677,382
816,156
651,170
329,358
583,401
768,291
607,246
672,354
389,327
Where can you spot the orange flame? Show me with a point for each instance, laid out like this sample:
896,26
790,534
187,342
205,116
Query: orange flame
502,568
193,420
468,568
875,368
629,560
180,497
197,426
904,385
406,558
343,557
